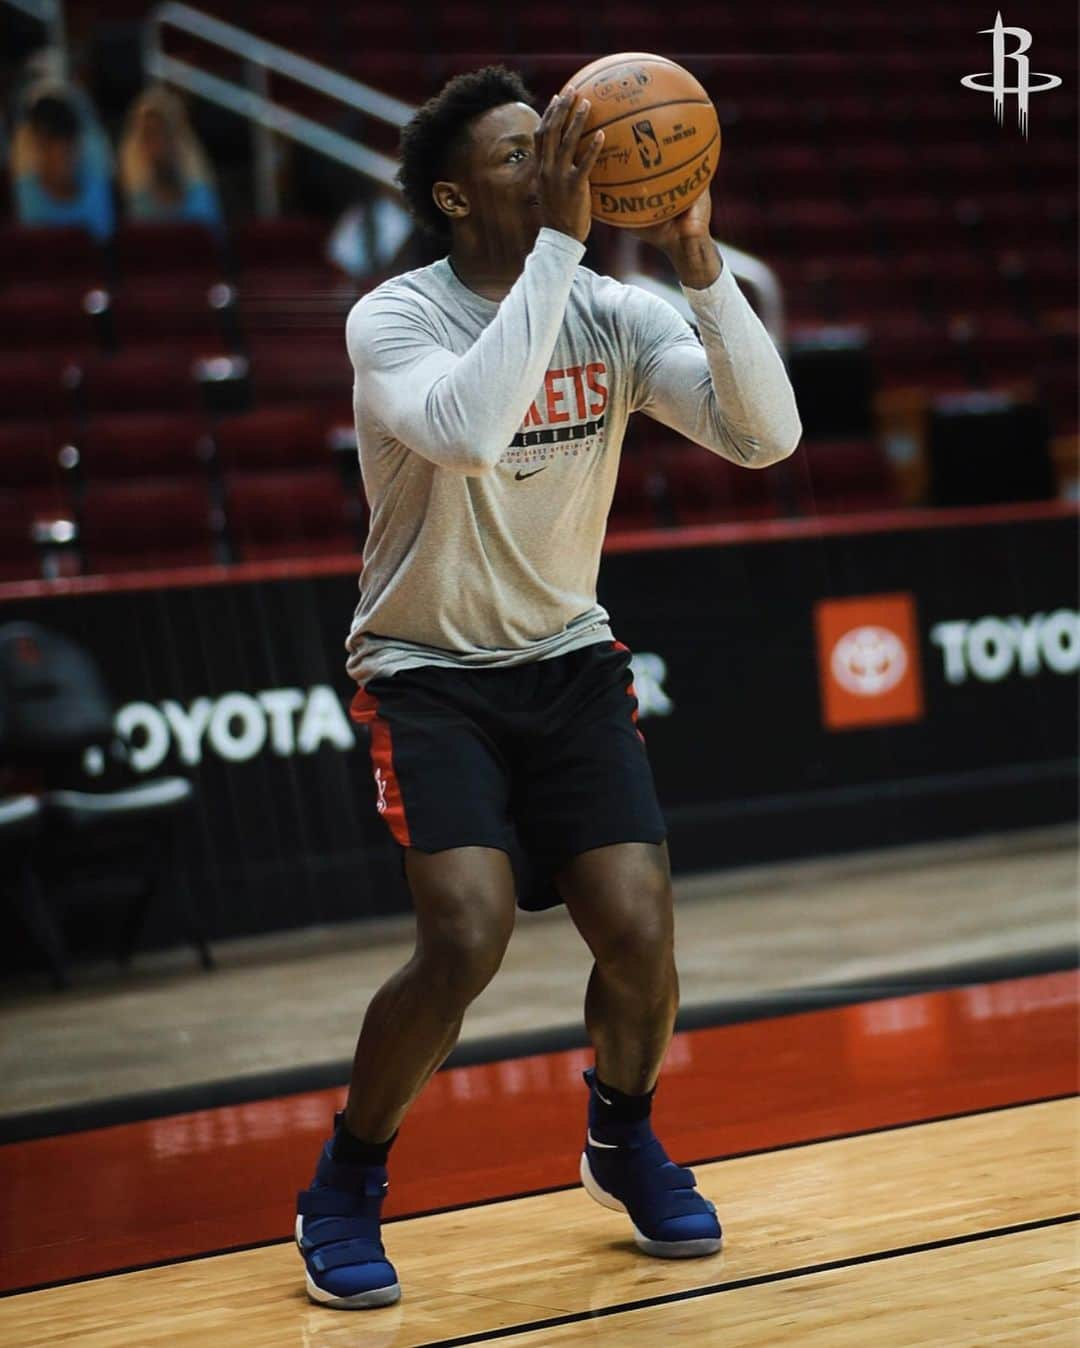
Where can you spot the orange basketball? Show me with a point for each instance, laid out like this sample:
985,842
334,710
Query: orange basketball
661,137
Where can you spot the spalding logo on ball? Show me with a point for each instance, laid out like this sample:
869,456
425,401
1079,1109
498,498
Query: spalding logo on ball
661,137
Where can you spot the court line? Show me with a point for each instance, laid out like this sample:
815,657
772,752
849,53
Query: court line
539,1193
79,1118
759,1280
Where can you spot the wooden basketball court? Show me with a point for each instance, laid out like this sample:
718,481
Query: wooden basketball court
897,1172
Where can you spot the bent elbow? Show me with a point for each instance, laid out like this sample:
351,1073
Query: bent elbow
776,453
777,448
477,460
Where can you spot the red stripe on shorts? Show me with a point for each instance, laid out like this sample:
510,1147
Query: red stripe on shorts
631,692
364,710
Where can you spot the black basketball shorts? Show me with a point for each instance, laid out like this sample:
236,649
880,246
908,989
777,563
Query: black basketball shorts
545,755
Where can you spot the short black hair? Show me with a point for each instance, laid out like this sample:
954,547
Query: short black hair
439,128
53,117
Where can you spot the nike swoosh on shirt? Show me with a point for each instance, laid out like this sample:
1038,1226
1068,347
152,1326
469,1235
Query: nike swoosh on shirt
519,476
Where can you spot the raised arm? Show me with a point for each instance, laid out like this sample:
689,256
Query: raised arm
729,392
461,412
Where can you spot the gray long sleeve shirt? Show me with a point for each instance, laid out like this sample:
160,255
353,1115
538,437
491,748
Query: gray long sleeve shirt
489,436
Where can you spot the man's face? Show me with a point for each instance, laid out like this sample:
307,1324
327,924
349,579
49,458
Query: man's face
496,173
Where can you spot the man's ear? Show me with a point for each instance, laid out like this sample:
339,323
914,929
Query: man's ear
450,199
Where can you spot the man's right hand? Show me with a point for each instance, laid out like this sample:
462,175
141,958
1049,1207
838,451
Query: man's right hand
565,160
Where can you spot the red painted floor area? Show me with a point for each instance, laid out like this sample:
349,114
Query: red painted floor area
90,1202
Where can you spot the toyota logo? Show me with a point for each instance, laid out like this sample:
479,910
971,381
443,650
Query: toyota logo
868,661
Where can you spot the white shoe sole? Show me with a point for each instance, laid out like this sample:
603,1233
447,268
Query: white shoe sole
659,1249
362,1301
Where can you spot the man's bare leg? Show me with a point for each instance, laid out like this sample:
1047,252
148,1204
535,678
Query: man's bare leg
619,898
465,904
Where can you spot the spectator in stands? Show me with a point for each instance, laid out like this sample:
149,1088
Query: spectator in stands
59,171
373,237
164,172
46,70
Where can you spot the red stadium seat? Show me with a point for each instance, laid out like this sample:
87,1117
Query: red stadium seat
951,281
155,250
801,171
467,25
377,26
45,314
274,437
1047,277
149,379
188,313
844,290
291,514
291,306
148,524
843,476
29,254
1003,347
910,351
34,384
287,287
543,28
144,445
748,125
1016,220
288,243
289,371
408,75
870,165
907,223
300,28
822,229
707,489
30,454
955,170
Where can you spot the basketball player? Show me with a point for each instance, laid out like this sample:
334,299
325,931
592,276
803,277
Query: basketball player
492,392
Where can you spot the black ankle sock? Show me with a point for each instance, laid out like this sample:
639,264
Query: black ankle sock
617,1107
351,1150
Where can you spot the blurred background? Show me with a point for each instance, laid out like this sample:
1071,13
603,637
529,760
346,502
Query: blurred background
856,670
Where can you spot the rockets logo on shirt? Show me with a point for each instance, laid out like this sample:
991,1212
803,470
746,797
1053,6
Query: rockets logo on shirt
566,417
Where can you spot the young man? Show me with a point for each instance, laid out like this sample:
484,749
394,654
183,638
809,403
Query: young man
492,392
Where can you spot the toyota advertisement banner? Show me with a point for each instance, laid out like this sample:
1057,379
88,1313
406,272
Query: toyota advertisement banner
798,695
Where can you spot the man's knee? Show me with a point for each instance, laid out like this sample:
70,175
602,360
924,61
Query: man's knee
634,935
464,923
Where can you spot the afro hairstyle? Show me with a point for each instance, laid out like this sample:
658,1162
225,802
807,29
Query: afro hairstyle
440,128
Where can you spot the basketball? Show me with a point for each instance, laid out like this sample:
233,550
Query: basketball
661,137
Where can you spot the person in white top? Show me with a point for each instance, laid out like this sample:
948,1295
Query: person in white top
492,390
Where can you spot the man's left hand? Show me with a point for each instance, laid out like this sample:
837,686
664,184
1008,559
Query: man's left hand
686,241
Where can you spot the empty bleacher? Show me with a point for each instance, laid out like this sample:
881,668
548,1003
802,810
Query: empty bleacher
181,396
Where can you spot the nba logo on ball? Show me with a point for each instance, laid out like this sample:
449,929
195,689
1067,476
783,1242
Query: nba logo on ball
661,137
868,661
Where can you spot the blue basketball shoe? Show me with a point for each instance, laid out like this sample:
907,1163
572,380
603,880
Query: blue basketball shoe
624,1167
337,1231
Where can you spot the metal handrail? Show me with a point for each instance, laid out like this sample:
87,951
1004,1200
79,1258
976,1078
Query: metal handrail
262,58
267,117
766,284
50,13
